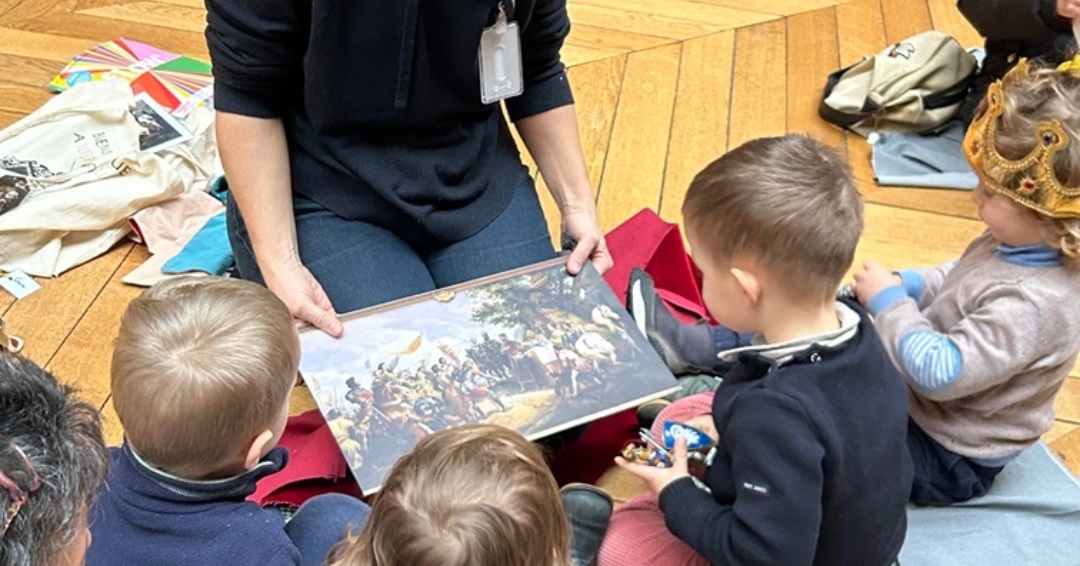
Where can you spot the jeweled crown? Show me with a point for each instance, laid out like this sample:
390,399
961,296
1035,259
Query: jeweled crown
1030,180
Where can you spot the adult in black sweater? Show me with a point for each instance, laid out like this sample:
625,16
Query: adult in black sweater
363,164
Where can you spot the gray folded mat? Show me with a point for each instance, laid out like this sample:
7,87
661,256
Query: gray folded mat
1031,516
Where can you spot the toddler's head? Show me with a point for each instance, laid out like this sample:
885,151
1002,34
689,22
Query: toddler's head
1024,144
478,494
201,375
788,206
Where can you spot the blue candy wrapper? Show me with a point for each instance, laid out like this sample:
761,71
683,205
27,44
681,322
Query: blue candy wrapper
695,438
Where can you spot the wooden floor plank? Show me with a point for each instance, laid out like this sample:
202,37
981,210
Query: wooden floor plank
87,351
1068,449
94,30
27,71
1067,406
659,25
21,10
899,238
812,53
947,18
154,13
904,18
574,55
634,169
605,38
777,7
46,318
727,18
53,47
860,30
1060,428
759,88
700,120
20,99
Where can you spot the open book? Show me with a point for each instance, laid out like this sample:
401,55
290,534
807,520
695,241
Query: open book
533,349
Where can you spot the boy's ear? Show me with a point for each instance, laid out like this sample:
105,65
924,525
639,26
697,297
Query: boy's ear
256,450
750,285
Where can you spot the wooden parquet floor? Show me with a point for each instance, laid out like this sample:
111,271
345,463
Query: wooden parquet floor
662,87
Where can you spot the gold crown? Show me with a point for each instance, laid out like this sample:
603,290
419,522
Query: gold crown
1030,180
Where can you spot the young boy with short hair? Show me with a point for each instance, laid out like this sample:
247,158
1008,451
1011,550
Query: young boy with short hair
201,377
811,465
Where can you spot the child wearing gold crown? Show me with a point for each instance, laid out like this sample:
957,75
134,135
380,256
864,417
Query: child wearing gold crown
985,342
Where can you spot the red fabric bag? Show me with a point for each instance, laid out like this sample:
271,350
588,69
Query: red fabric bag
645,240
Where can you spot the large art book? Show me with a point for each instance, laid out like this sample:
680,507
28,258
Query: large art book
533,349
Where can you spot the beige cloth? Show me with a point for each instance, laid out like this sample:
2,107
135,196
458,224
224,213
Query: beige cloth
166,228
92,176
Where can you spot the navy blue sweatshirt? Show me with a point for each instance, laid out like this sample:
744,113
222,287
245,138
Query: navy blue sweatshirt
381,101
147,518
812,468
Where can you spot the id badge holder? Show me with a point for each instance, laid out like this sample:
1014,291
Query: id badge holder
500,61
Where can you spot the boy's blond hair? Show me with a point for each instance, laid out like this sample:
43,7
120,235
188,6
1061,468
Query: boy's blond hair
202,365
788,203
478,495
1040,95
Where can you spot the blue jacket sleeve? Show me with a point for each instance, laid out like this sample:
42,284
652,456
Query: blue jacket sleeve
256,48
777,469
542,37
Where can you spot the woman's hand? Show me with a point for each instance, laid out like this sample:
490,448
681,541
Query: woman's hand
871,280
1068,9
659,478
303,295
584,229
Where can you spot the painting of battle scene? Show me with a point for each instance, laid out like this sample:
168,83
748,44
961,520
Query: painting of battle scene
537,351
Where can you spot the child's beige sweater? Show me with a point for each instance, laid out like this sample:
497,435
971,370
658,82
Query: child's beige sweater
984,344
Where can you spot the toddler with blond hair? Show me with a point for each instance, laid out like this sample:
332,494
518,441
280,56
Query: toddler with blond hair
201,376
985,343
477,495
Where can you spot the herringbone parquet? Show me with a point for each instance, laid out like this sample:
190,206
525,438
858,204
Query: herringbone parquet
663,87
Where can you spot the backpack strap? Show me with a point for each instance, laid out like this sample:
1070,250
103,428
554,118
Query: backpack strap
952,95
830,114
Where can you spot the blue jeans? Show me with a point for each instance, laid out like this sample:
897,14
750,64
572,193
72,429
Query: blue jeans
321,522
360,264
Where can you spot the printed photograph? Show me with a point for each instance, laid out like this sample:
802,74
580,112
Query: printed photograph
536,350
159,128
13,191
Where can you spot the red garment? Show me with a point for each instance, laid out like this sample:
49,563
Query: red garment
317,466
637,533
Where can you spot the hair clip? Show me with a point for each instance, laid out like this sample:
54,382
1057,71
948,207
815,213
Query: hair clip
17,494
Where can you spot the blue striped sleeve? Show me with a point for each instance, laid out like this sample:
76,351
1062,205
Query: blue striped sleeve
930,359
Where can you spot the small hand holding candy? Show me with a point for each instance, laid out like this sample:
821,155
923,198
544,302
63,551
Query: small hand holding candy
658,478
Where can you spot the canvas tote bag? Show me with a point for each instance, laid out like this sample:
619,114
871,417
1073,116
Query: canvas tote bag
72,173
913,86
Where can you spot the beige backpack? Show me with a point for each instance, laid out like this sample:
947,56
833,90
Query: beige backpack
913,86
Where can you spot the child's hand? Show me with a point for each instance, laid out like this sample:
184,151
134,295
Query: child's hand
1068,9
872,279
658,478
705,424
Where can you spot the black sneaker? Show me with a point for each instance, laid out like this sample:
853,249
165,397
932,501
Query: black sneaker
644,306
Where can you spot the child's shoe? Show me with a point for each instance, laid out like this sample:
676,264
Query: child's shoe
686,348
